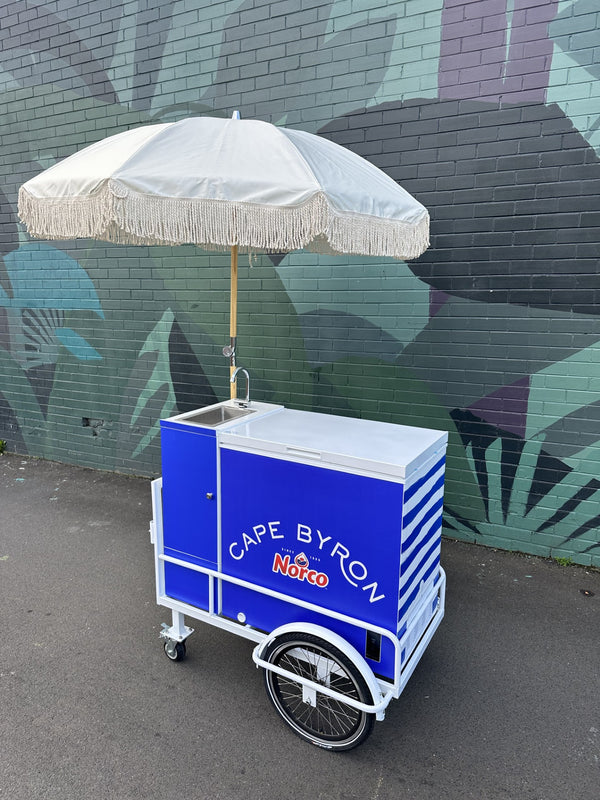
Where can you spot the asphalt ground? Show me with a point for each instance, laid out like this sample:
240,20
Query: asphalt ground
504,704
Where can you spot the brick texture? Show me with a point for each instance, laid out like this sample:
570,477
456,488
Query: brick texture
485,111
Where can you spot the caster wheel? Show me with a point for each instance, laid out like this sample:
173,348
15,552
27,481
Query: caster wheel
175,651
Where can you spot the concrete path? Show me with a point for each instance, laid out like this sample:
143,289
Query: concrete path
505,704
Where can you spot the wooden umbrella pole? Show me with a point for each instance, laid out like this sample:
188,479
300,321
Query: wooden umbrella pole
233,316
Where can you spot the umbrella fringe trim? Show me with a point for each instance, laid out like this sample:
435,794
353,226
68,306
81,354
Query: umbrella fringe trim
66,218
219,223
121,216
373,236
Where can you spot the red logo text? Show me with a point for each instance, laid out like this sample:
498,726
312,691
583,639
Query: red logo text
299,570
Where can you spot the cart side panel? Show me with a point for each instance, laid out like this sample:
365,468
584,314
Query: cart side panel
189,463
423,501
421,549
324,536
421,530
258,607
187,586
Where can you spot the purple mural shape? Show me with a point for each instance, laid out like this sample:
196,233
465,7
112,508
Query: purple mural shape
437,299
505,408
496,50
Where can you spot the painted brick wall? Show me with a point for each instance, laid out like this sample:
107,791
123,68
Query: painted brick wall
487,111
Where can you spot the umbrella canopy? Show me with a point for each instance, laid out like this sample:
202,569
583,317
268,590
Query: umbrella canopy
225,183
210,181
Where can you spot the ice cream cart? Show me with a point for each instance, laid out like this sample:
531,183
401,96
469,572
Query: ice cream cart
315,536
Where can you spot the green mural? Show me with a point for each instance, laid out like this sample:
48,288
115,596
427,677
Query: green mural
493,335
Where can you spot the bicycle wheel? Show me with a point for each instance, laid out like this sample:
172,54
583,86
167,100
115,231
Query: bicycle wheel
317,718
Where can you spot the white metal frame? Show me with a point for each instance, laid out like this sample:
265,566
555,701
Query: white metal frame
382,691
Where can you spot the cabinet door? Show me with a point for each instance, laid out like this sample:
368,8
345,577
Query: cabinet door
190,495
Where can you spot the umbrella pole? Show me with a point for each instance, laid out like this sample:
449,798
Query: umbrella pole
233,317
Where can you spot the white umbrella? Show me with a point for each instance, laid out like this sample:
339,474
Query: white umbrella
225,183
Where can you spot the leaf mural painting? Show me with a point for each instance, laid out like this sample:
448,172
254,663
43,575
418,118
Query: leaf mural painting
576,43
498,234
32,322
546,504
159,385
316,56
172,381
52,42
38,318
16,392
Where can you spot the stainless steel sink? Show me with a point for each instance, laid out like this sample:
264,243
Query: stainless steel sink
211,417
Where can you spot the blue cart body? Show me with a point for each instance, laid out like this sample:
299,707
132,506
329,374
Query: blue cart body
323,513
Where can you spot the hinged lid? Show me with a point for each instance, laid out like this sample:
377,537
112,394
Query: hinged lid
365,446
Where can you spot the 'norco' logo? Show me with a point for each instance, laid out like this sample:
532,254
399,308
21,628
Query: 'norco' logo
299,570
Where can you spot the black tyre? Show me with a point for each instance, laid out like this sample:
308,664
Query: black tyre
329,723
175,650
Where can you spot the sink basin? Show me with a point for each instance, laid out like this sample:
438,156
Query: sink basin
211,417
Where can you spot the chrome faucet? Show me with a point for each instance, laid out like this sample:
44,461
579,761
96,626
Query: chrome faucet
233,378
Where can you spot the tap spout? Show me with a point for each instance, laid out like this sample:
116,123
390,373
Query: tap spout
246,401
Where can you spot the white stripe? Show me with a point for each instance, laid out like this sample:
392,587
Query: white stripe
424,490
423,514
407,581
423,535
415,581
